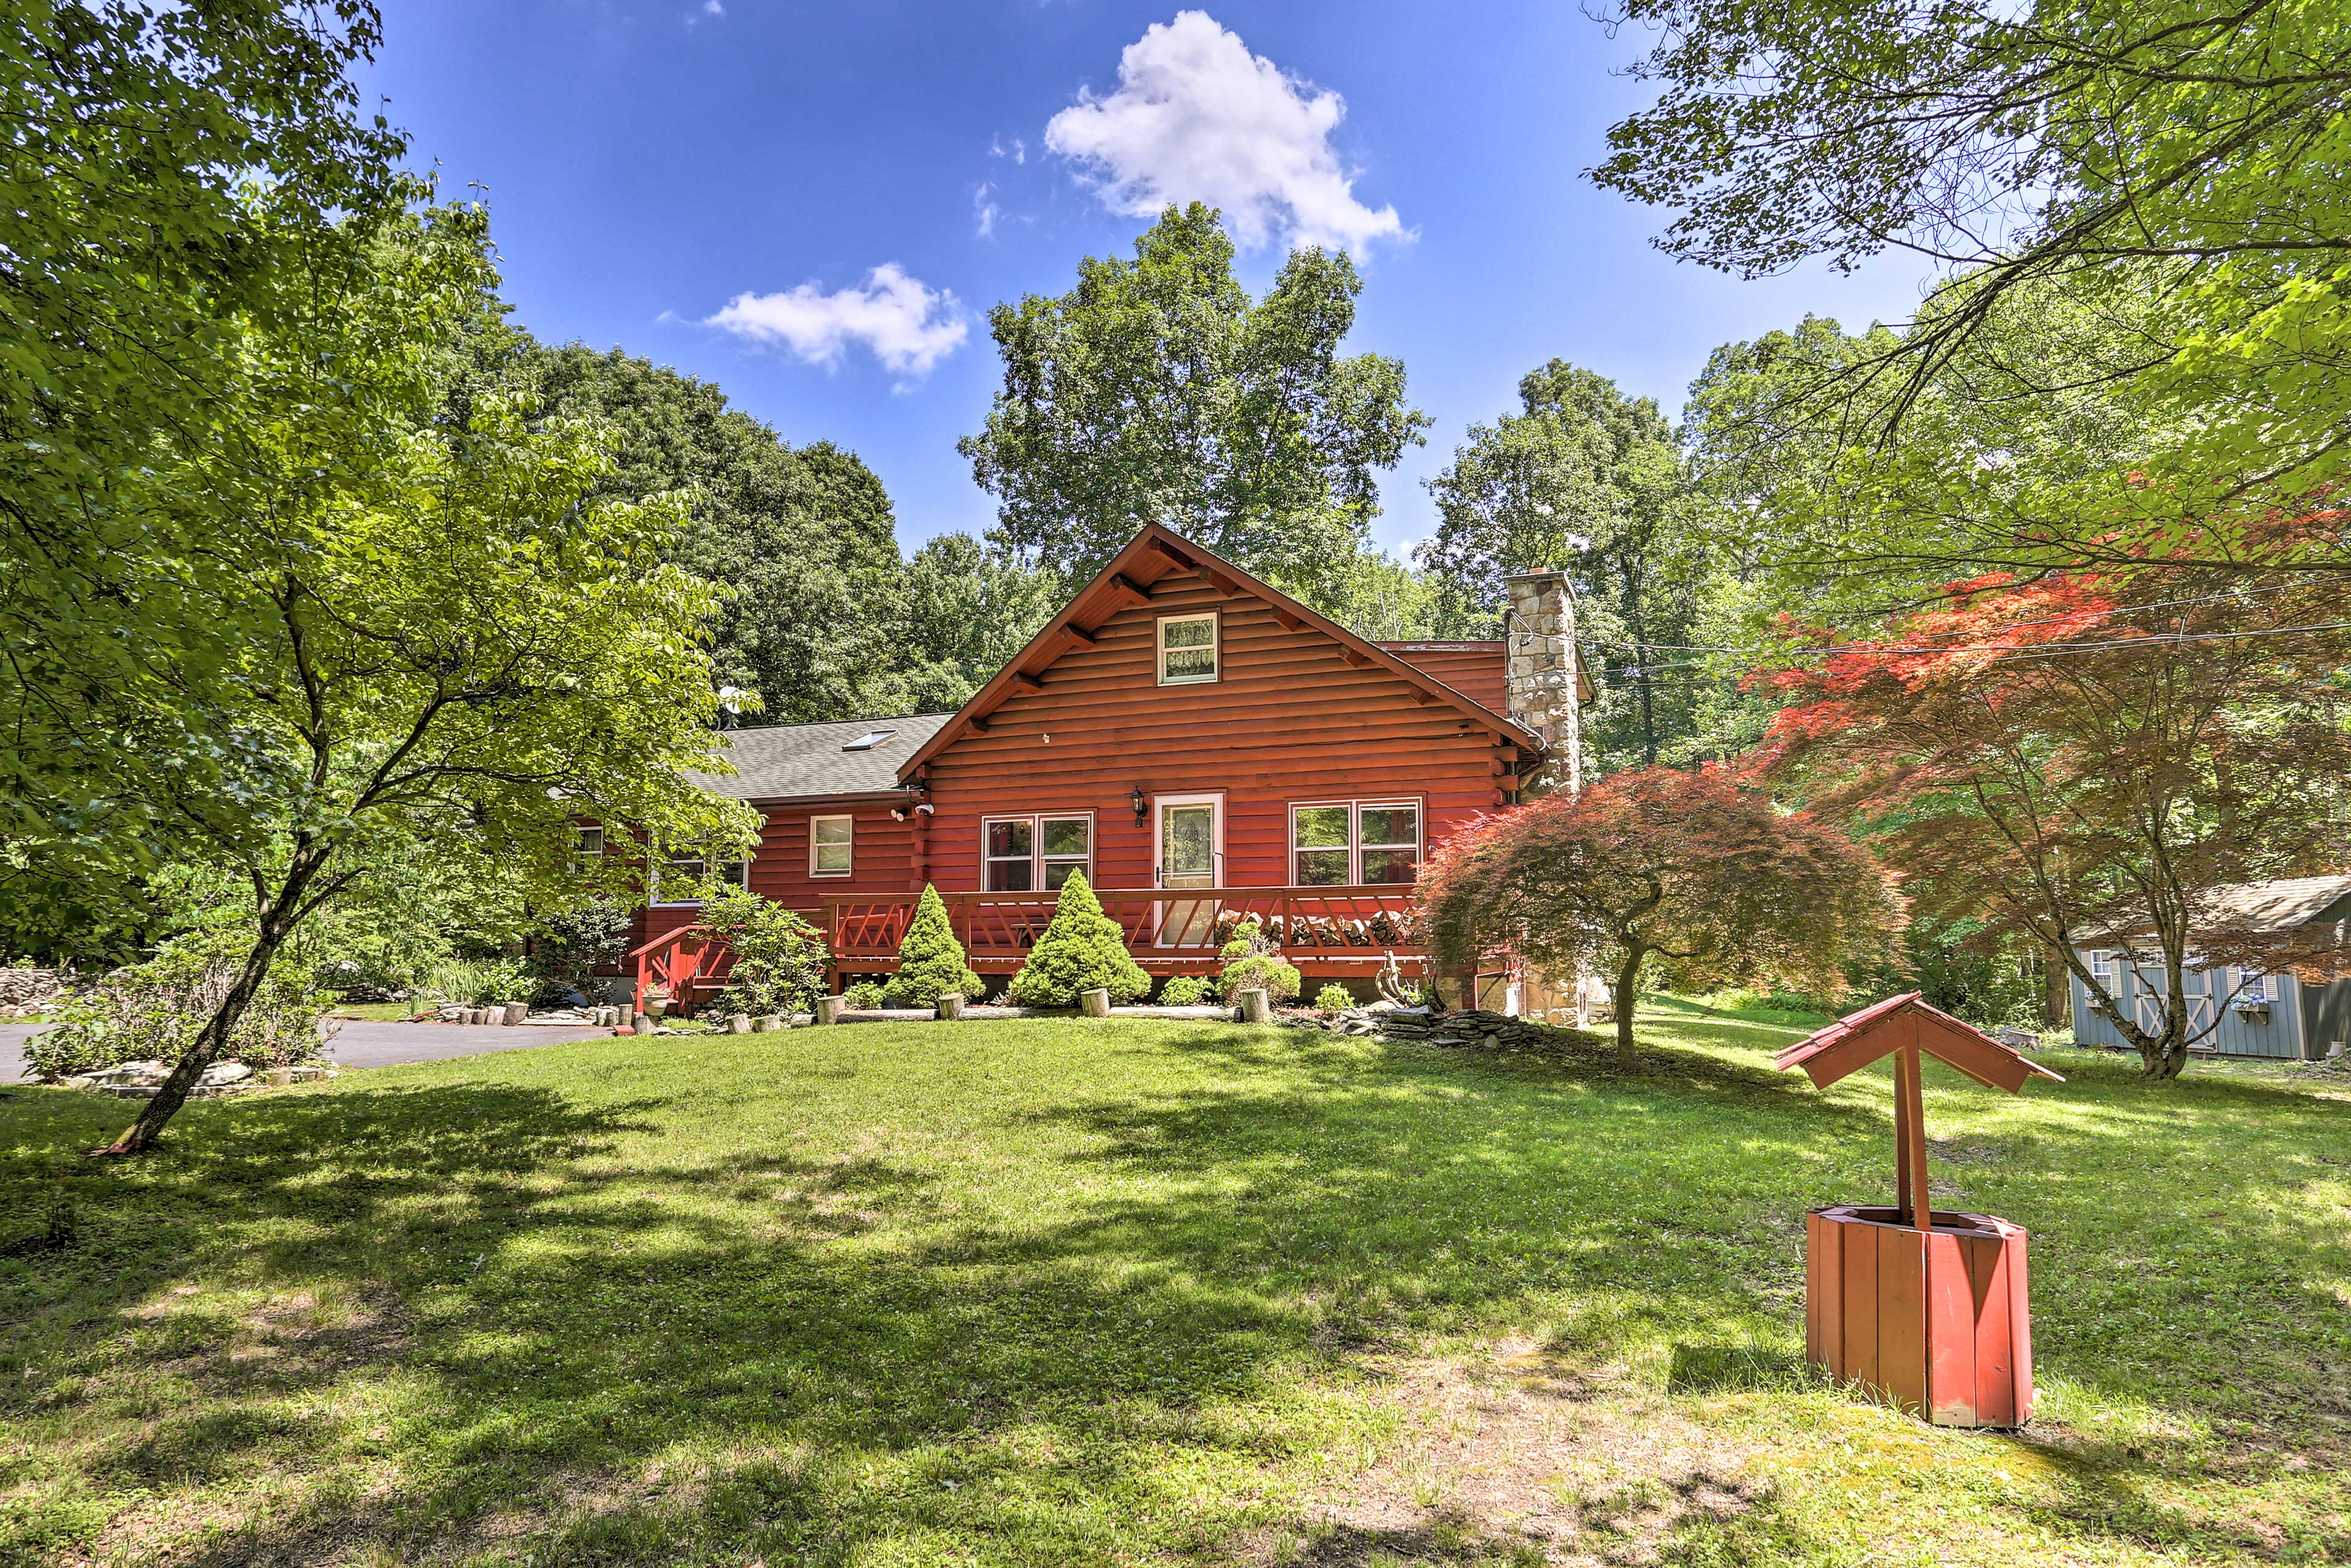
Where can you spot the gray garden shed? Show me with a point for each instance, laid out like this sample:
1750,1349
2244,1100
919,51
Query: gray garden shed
2260,1015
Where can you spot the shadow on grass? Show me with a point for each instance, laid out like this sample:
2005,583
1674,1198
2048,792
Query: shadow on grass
494,1287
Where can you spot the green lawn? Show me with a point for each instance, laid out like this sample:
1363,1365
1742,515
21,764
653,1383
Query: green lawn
1047,1292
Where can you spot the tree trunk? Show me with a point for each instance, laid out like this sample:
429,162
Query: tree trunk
1626,988
276,925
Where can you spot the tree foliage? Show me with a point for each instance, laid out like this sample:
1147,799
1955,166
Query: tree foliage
445,651
931,962
779,954
163,166
1655,865
2083,760
1157,391
1586,479
2175,172
1080,949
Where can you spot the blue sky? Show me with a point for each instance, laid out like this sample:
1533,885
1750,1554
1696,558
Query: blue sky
814,204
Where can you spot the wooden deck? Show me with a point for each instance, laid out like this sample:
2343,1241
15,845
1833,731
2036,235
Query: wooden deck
1326,930
1170,930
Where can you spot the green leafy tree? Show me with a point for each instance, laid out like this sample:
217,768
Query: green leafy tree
568,947
969,607
2173,173
1157,391
1589,480
931,961
163,166
444,653
1080,949
804,538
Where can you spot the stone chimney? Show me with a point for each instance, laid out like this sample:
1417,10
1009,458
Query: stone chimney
1542,677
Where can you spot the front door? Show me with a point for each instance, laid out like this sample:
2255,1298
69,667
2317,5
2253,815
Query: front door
1191,852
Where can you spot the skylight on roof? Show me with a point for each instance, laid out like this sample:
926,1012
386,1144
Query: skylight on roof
869,740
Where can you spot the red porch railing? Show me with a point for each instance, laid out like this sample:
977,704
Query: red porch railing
685,963
1169,930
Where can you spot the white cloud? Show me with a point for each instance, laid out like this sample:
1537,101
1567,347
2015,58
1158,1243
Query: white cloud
908,326
985,211
1199,117
1017,151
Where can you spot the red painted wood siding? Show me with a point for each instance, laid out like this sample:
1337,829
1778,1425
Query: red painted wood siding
881,855
1289,720
1477,670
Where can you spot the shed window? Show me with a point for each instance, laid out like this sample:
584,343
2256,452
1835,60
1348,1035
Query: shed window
831,840
1023,854
2102,967
1187,649
2252,988
1355,842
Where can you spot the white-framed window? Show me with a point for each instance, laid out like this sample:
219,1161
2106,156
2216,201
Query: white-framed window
1187,649
2252,988
832,845
681,874
1027,854
588,851
2102,965
1340,844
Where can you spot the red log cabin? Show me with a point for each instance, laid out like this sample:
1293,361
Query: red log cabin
1196,742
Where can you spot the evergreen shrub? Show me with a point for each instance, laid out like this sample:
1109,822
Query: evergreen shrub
1079,949
930,960
1333,998
1252,962
1183,990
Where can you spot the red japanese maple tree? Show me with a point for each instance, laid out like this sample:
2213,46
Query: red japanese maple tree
2084,760
1657,864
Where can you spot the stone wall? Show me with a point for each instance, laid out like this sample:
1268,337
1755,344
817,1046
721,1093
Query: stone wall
1541,674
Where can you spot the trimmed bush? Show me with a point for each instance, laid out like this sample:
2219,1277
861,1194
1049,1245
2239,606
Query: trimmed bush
1252,961
862,996
930,960
1184,991
779,957
1079,949
1333,998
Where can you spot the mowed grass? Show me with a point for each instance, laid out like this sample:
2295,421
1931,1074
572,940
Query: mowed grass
1053,1292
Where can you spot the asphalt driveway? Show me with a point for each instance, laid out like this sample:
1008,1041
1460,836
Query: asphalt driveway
360,1043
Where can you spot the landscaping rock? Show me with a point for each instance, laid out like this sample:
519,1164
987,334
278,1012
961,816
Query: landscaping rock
829,1010
221,1072
740,1024
515,1013
766,1023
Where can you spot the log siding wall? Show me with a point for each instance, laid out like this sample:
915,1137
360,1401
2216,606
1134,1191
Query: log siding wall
1288,721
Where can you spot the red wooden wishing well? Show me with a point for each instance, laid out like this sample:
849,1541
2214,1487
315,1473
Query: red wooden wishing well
1926,1309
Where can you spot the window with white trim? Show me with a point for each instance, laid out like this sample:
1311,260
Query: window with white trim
2102,965
1027,854
588,853
683,875
2252,988
1338,843
1187,649
831,844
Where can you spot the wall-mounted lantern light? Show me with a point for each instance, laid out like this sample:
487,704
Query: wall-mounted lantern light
1142,804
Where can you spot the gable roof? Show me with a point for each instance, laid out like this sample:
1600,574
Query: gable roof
2251,909
1881,1029
783,761
1151,555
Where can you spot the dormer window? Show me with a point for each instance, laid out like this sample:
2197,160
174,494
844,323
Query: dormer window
1188,649
869,740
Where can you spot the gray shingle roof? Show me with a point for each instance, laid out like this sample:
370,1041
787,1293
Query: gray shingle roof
2274,907
776,762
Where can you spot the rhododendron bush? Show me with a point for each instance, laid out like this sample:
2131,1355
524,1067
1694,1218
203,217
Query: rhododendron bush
1657,866
2083,760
